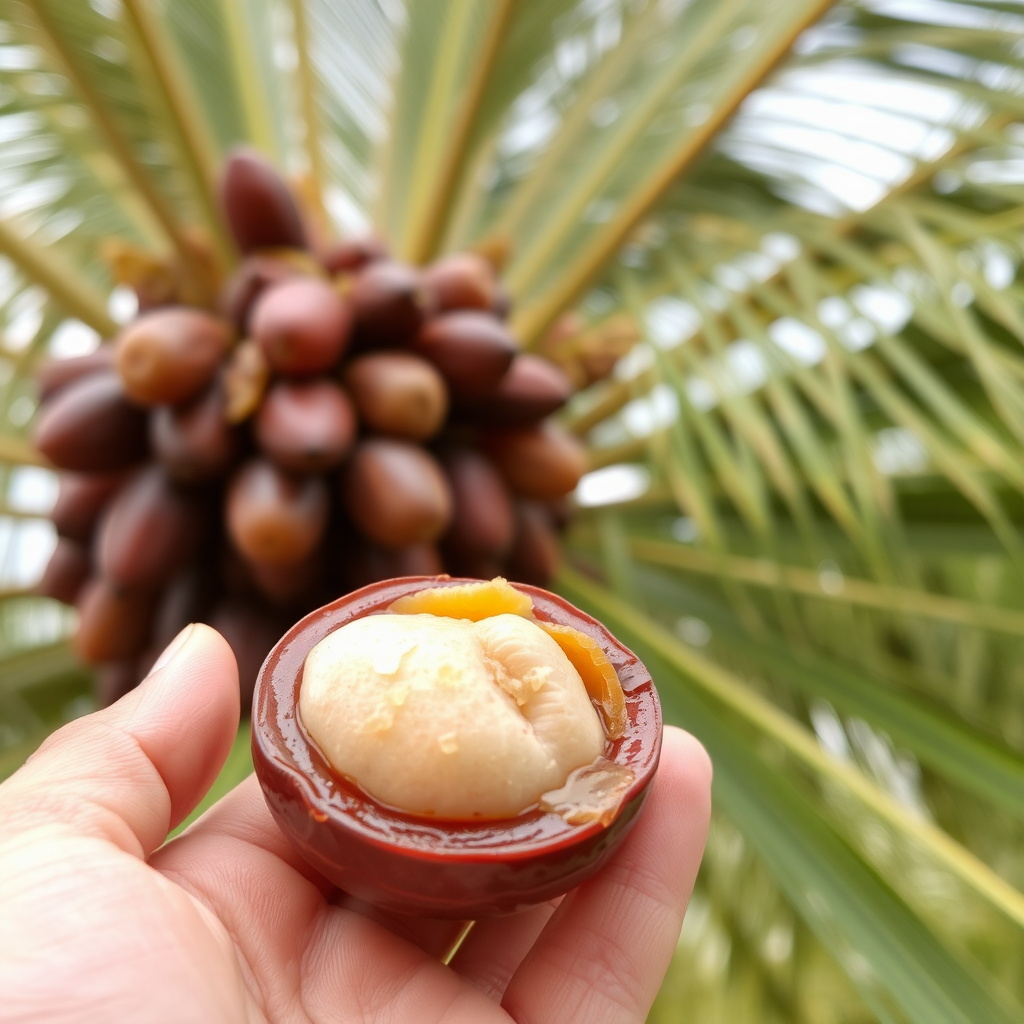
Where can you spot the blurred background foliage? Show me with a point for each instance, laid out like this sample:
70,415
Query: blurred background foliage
800,225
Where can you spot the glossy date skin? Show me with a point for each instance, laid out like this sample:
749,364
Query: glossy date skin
414,865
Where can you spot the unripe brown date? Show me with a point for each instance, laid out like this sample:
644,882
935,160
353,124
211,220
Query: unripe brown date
273,517
112,624
170,355
81,499
66,572
306,427
473,351
194,442
399,394
89,427
389,303
543,462
463,280
396,493
532,390
258,205
302,326
482,521
148,531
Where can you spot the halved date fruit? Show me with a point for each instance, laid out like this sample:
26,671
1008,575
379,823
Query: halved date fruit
396,493
148,531
273,517
306,427
454,869
472,350
90,427
170,355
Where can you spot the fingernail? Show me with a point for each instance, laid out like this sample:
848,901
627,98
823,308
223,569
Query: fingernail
172,648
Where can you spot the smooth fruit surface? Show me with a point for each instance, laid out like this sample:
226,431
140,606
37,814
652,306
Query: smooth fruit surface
430,866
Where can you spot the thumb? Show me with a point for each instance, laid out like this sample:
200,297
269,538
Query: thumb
131,772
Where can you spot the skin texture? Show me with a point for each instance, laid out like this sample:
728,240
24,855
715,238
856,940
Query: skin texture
99,922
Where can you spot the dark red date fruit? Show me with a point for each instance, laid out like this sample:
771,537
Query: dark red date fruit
171,355
113,625
194,442
302,326
148,531
89,427
482,520
54,374
544,462
290,585
431,867
258,205
533,557
389,303
187,598
306,427
249,280
273,517
472,350
353,254
81,499
532,390
66,572
398,394
463,280
396,493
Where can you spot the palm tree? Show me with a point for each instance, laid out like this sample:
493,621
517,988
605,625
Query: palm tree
807,475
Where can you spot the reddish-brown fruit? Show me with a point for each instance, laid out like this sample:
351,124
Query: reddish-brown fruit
301,325
472,350
194,442
365,562
250,630
389,303
113,625
258,205
81,499
54,374
170,355
286,586
273,517
306,427
398,393
544,462
149,530
250,279
396,493
185,599
89,427
533,557
463,280
532,389
66,572
482,521
353,254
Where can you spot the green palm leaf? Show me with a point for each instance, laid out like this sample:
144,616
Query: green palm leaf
806,491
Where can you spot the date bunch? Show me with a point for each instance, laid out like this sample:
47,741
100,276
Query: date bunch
339,418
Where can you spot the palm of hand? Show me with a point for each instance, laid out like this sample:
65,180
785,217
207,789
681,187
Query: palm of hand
227,924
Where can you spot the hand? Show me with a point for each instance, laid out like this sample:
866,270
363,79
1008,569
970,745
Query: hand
100,922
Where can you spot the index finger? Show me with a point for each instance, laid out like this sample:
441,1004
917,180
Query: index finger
603,954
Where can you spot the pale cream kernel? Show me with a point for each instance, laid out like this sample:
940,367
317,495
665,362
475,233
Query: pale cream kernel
463,719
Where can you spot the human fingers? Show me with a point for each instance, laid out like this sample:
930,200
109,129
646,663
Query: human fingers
131,772
494,949
604,952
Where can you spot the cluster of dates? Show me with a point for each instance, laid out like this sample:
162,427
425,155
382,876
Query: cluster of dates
340,418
